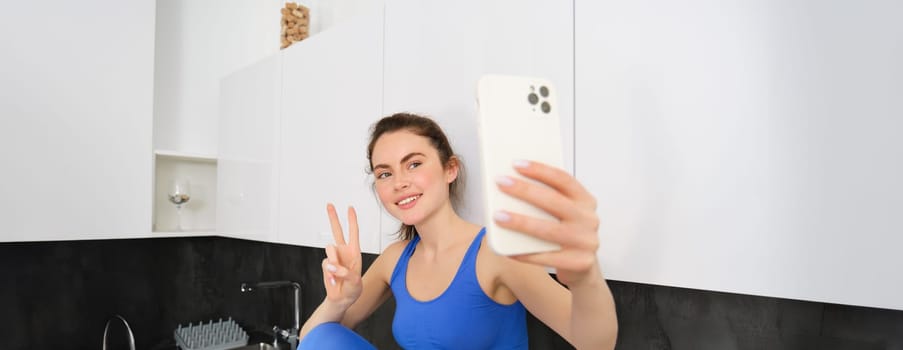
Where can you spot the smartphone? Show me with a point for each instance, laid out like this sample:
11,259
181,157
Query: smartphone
518,119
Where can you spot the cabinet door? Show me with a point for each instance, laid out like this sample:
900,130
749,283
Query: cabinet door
75,120
435,54
248,140
332,92
748,147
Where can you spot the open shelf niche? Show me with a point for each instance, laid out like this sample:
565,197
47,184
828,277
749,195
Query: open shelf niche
199,213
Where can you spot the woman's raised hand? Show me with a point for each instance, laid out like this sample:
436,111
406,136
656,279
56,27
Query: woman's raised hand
342,266
576,231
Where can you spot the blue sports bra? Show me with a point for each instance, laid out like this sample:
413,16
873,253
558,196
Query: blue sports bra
462,317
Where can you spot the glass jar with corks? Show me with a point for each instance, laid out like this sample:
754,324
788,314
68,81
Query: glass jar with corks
295,24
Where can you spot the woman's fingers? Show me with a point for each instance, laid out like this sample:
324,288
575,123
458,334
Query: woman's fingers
337,233
339,265
332,255
557,232
558,179
542,197
569,260
353,234
337,270
333,272
561,195
329,279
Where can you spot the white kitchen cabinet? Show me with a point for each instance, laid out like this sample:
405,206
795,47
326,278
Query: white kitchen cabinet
332,92
748,147
435,53
247,176
198,44
75,120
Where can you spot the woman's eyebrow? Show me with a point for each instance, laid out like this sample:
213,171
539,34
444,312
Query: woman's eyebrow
405,159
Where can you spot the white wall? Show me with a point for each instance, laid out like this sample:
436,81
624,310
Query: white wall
435,54
326,13
746,146
76,86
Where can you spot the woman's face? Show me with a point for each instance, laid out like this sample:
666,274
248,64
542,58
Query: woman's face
411,181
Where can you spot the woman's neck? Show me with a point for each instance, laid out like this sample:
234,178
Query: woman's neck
445,229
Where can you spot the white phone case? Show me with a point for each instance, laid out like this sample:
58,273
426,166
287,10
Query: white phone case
514,124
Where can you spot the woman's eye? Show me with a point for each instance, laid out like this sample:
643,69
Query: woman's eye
383,175
413,165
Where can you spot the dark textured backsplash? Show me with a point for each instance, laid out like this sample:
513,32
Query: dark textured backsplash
60,294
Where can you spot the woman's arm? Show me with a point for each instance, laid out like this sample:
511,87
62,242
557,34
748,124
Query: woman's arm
584,314
593,317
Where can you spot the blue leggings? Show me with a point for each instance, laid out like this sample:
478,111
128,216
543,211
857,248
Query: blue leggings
333,335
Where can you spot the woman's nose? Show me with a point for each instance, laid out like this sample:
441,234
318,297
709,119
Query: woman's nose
401,183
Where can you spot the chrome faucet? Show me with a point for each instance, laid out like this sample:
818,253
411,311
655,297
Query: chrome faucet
288,335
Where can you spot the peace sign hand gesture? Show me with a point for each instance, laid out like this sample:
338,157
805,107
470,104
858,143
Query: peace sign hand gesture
342,266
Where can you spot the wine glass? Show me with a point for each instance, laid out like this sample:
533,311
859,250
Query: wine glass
179,194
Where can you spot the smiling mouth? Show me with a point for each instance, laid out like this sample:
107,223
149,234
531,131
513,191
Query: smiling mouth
408,200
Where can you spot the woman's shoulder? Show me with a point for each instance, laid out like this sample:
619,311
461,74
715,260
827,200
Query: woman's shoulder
391,253
395,248
501,265
386,261
493,261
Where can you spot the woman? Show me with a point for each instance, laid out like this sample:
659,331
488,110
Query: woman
450,290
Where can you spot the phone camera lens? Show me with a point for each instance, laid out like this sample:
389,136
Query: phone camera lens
544,91
546,107
533,99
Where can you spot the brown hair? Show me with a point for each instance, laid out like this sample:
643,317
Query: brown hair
428,128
